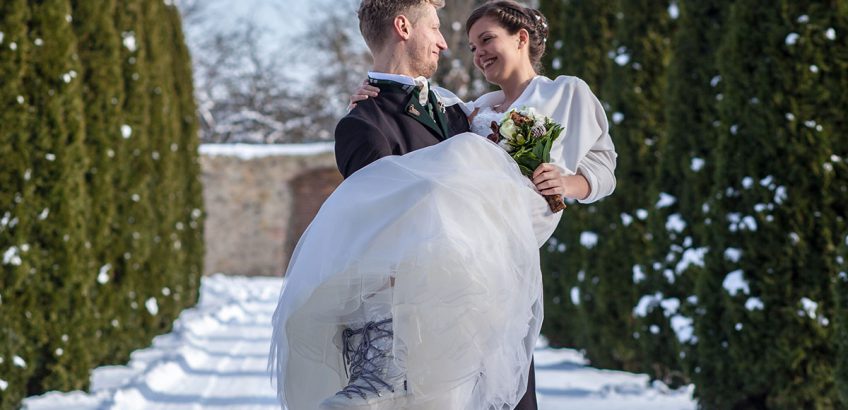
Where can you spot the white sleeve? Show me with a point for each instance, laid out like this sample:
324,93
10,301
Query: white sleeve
585,146
599,169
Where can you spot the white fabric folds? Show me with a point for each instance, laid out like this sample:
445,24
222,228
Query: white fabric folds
448,237
453,226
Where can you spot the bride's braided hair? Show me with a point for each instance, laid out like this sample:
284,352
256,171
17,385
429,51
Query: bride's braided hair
513,17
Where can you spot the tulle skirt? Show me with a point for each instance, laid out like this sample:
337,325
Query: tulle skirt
449,236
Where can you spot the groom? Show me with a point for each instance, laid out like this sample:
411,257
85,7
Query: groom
405,42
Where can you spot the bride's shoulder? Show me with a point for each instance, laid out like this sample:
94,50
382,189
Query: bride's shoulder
564,82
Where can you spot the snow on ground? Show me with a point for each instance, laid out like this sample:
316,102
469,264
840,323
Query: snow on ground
215,358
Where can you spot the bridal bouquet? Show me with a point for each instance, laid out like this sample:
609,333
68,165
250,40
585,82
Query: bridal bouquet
528,137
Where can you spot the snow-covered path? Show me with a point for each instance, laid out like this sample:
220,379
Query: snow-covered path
217,354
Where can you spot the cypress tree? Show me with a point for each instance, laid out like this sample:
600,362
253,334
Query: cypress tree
166,255
683,177
187,160
101,187
136,224
15,120
834,48
102,93
841,315
634,90
580,35
59,277
765,339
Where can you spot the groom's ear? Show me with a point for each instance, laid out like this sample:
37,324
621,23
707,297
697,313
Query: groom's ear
402,27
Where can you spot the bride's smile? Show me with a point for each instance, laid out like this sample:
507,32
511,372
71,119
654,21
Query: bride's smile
501,55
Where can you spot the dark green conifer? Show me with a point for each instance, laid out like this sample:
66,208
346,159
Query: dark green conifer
684,174
163,131
94,188
60,278
634,90
102,94
190,193
15,119
765,338
580,37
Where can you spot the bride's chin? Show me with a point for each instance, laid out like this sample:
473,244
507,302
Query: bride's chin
490,77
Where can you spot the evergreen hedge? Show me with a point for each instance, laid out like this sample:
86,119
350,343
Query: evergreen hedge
596,258
684,173
566,260
721,257
101,217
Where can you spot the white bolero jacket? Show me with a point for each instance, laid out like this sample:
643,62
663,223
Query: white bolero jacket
585,147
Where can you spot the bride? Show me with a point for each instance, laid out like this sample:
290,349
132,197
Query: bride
417,285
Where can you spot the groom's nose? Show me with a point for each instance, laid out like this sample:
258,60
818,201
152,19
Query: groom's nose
441,43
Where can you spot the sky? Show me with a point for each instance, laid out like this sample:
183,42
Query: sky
284,24
283,18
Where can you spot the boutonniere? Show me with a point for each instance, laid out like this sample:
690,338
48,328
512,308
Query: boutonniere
411,109
441,106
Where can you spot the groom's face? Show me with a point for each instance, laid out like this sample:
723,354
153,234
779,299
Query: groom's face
426,43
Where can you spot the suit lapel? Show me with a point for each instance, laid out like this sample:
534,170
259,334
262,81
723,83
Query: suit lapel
418,112
441,118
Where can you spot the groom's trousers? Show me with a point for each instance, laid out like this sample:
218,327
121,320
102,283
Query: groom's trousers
528,402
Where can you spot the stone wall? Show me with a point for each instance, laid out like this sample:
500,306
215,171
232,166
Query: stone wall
259,199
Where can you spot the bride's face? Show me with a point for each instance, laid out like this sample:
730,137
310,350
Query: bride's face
497,53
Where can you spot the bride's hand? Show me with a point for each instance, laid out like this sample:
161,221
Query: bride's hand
550,181
364,91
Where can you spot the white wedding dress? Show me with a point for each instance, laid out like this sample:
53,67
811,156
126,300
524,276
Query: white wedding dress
457,229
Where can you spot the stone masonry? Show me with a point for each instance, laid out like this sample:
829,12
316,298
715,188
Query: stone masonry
259,200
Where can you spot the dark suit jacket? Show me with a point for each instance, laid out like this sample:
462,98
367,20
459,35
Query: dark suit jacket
393,123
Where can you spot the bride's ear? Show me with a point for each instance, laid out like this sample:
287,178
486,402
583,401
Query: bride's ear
523,38
402,27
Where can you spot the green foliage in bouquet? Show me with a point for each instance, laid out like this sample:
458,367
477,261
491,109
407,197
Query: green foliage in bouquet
528,138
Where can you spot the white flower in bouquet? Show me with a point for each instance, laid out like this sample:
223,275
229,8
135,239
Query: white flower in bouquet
508,129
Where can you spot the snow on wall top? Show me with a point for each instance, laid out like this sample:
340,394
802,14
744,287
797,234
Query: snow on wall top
252,151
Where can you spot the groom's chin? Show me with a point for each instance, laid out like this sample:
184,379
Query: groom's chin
430,69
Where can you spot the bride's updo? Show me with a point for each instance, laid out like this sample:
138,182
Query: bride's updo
513,17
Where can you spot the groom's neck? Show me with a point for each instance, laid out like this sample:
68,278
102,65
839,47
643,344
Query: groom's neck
387,62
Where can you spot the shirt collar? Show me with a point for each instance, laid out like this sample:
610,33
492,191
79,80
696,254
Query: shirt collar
398,78
407,81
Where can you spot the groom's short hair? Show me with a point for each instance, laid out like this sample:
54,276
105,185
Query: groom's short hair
376,17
